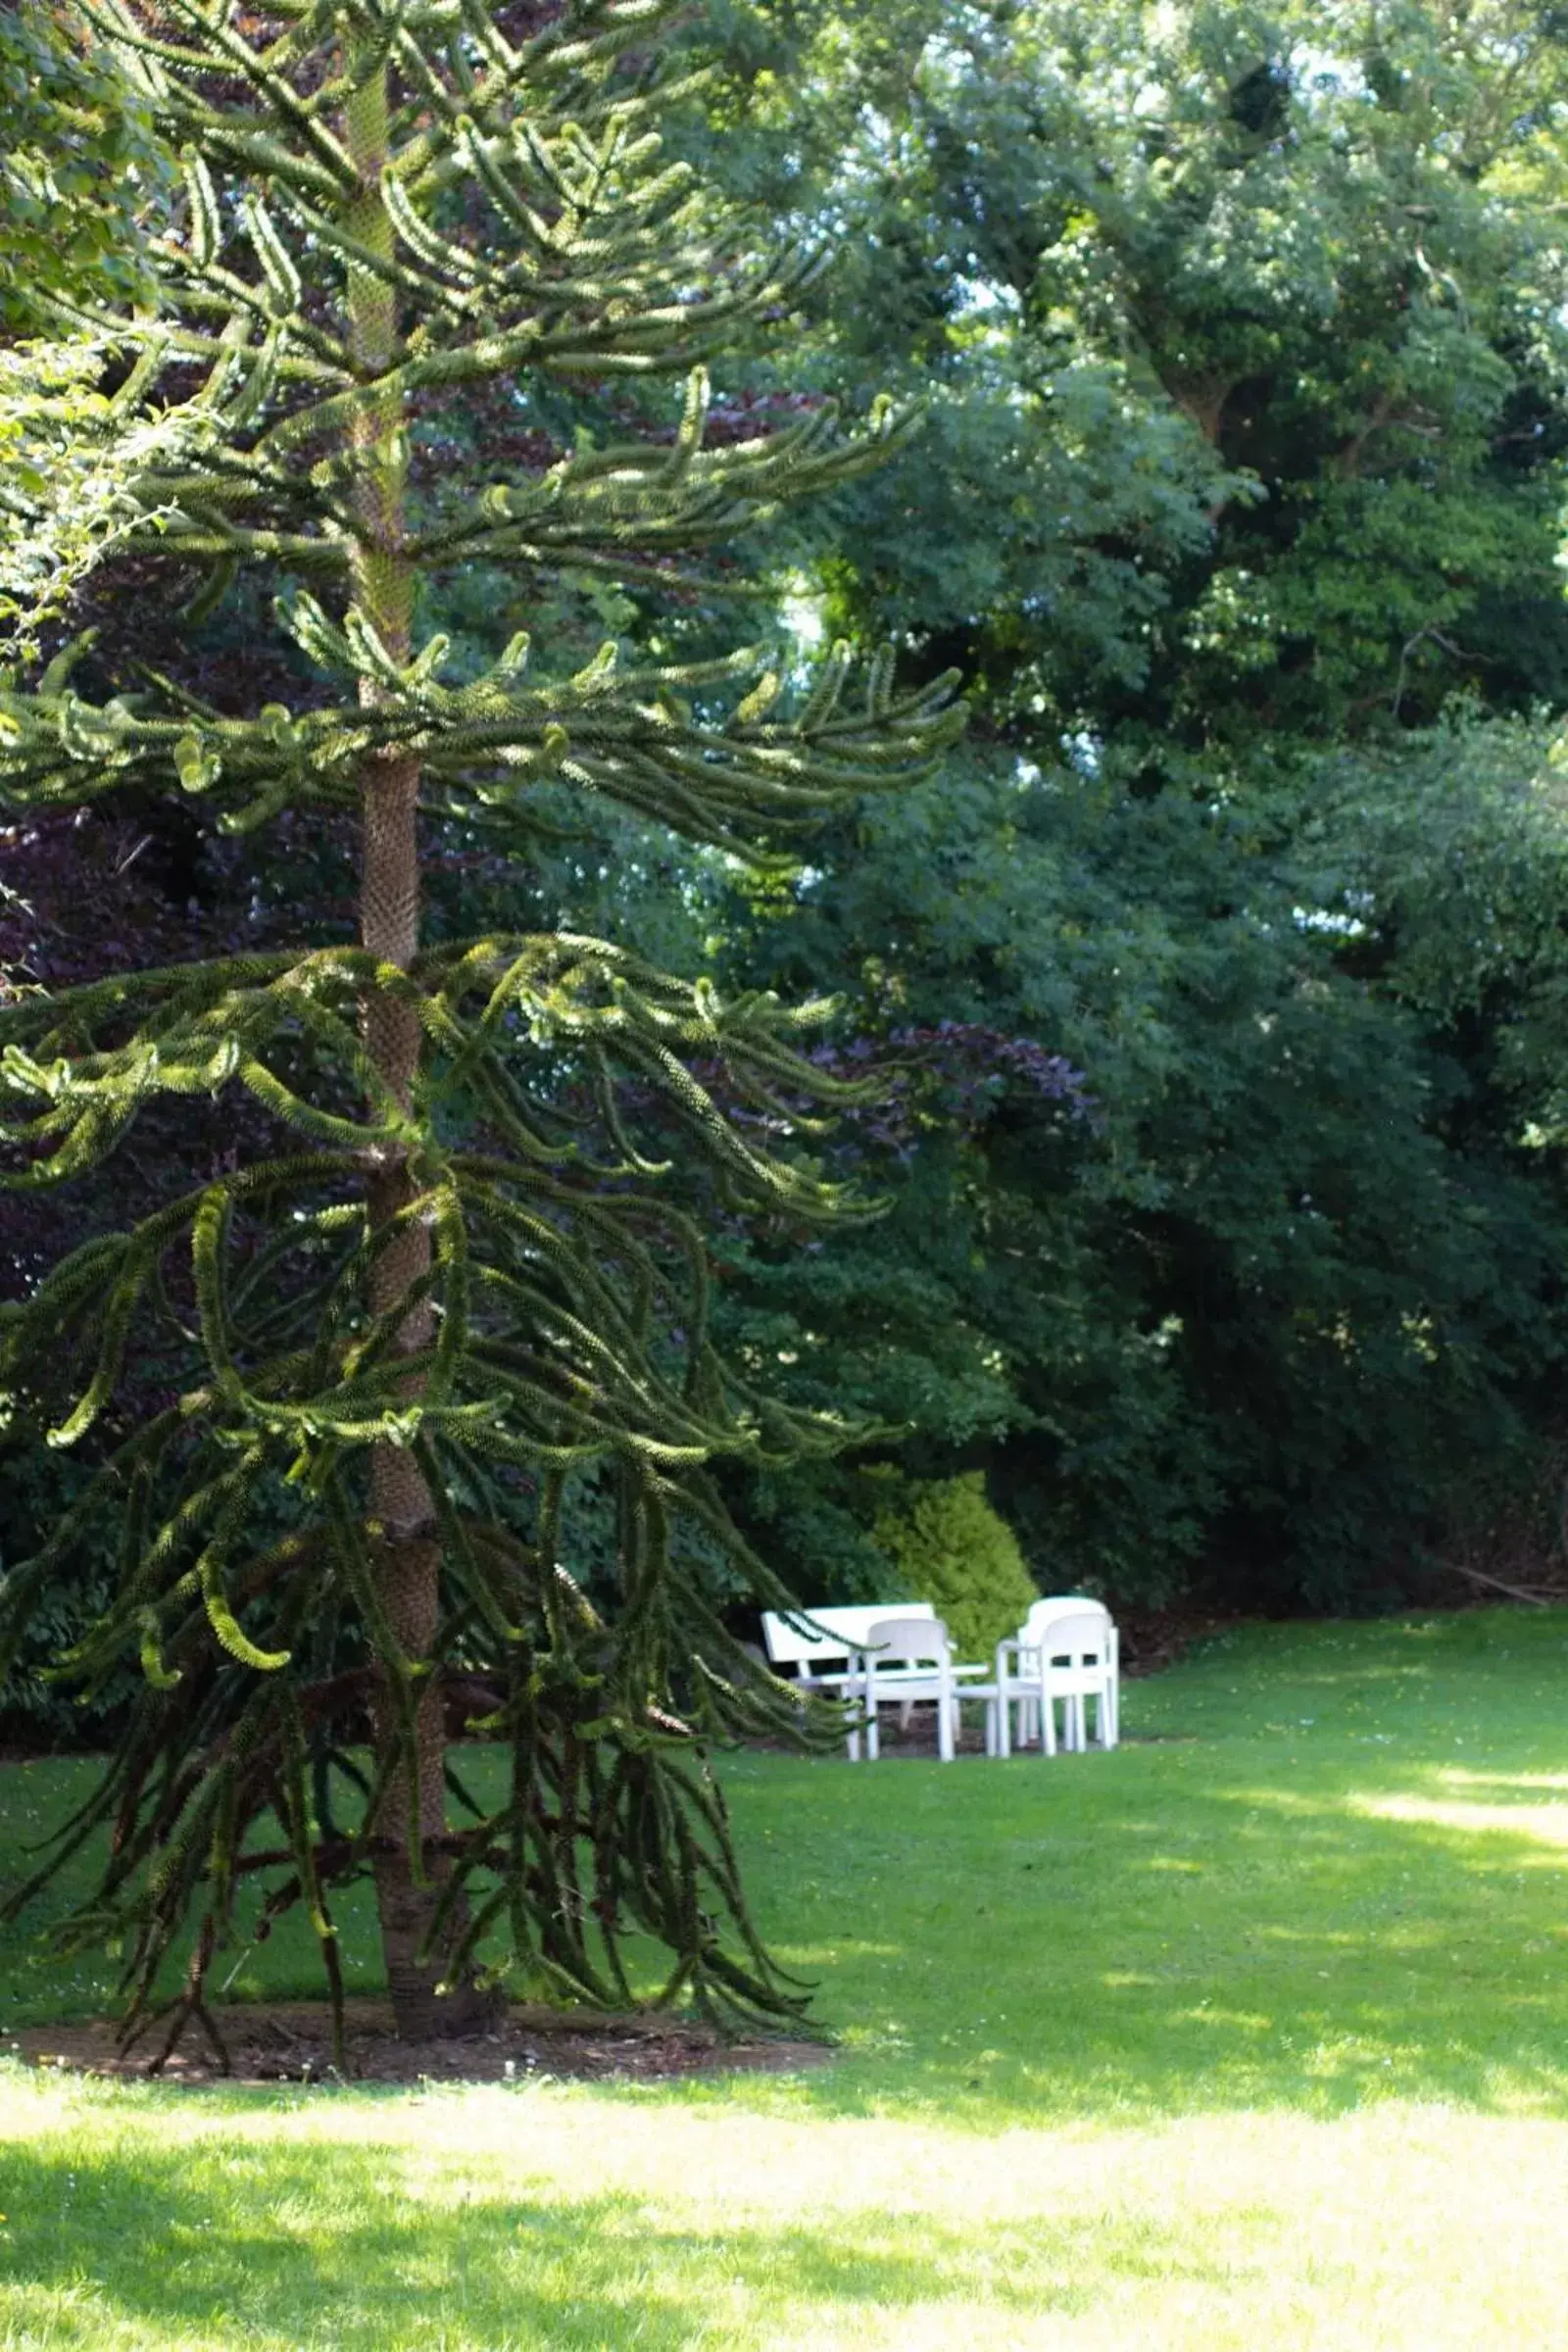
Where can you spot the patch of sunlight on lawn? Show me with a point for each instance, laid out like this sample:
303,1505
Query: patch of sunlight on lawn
1543,1825
1455,1776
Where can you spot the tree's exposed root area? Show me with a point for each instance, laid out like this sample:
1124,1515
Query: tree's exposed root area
291,2041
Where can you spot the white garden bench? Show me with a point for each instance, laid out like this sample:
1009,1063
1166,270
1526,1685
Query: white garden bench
822,1645
828,1650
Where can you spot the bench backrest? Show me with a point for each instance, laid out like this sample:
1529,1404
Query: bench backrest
842,1631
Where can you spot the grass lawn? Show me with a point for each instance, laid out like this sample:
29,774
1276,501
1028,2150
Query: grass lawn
1255,2034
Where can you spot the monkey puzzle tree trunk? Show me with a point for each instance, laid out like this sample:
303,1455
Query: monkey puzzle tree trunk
410,1869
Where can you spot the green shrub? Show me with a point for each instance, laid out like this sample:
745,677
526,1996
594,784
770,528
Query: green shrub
950,1548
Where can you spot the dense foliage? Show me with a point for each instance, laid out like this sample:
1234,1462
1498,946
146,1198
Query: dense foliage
1243,334
81,168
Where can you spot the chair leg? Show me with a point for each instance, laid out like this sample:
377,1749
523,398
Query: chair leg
1048,1725
946,1711
872,1748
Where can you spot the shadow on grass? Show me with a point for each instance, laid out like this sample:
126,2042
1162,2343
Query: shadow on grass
236,2239
1312,1953
1236,1943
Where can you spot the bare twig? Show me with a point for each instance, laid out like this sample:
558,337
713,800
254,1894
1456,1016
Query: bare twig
1478,1575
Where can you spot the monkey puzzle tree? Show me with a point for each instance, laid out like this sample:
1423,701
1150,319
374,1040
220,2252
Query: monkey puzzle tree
457,1252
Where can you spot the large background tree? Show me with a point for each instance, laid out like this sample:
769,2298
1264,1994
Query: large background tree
1242,332
450,1262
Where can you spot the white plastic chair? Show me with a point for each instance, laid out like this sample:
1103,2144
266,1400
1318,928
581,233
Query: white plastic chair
905,1659
1067,1650
1044,1613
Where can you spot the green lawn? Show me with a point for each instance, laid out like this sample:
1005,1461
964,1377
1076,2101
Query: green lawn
1255,2031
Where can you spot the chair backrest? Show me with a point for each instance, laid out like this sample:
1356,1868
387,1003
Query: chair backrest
1078,1637
907,1641
816,1637
1051,1605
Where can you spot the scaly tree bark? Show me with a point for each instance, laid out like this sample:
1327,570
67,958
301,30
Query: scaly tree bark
468,1258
